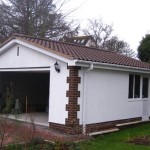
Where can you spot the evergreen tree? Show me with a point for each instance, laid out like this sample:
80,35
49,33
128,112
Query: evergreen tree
144,49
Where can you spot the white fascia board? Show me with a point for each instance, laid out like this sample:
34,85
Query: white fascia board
46,69
111,66
35,48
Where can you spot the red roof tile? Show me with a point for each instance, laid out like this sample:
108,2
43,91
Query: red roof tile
74,51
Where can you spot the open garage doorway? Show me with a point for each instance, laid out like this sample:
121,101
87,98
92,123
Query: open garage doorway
29,91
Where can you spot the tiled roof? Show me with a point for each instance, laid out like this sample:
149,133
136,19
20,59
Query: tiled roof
74,51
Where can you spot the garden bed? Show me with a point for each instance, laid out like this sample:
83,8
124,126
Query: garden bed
38,144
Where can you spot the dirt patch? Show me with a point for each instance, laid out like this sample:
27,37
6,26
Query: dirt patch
141,140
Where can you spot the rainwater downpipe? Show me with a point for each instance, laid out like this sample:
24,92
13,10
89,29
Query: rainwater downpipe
85,97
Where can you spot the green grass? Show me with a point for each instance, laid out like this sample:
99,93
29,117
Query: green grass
117,140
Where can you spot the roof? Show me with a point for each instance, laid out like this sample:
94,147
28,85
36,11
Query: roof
81,40
78,52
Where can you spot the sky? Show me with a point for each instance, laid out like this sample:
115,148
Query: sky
130,18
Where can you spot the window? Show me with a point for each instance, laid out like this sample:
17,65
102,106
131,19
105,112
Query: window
136,90
131,86
145,88
137,86
134,86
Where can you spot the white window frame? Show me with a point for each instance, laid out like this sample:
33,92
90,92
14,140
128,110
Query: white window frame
141,86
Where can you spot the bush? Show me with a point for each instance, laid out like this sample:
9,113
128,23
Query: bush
36,141
39,144
66,146
31,146
14,147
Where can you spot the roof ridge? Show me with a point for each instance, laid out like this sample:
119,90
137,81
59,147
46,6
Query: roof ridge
62,42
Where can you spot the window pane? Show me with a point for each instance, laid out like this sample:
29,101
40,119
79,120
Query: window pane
145,88
137,87
130,86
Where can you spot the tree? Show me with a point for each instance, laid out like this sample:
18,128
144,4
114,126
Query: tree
102,38
100,32
39,18
144,49
119,46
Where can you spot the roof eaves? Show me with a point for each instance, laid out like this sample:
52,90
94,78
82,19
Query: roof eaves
111,66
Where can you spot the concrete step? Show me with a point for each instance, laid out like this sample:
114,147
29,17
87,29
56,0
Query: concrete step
132,123
104,131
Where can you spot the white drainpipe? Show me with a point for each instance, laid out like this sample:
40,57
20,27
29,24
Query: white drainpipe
84,98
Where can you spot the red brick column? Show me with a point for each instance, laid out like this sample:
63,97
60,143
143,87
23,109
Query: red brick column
72,122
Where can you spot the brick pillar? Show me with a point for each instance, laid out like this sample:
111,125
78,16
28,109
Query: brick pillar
72,122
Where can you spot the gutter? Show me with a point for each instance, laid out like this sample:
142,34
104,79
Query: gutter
85,97
111,66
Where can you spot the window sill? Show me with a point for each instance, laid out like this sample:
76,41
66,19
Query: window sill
138,99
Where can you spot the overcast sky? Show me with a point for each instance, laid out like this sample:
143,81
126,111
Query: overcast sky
130,18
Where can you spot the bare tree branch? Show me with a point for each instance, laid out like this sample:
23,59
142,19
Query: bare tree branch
102,38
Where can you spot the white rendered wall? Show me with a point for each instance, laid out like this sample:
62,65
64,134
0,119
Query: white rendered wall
27,58
58,99
107,97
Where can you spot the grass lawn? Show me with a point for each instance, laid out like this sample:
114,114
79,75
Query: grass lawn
117,140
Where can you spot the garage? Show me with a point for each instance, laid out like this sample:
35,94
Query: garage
37,80
29,91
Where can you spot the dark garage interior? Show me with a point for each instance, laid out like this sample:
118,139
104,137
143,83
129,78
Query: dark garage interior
31,89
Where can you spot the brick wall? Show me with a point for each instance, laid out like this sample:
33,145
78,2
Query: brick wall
91,127
110,124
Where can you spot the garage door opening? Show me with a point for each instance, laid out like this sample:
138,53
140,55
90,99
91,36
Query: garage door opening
29,92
